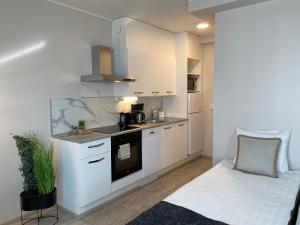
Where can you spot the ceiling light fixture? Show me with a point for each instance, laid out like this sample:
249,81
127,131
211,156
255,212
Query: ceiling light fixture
202,25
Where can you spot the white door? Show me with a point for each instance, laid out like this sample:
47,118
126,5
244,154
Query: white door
194,102
95,178
195,132
181,141
168,151
151,151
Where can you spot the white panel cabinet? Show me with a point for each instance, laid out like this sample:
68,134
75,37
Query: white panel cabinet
168,156
155,73
173,143
84,173
95,178
169,75
151,146
181,139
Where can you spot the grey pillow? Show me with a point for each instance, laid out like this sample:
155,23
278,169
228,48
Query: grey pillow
257,155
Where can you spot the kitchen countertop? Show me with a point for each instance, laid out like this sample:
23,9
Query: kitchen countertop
80,139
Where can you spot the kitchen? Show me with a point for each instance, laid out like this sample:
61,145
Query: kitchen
132,136
54,71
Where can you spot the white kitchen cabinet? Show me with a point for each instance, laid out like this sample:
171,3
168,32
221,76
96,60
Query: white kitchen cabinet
95,178
173,143
151,146
169,75
83,173
168,145
181,139
155,74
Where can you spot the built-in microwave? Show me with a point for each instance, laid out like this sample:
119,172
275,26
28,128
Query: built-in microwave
192,82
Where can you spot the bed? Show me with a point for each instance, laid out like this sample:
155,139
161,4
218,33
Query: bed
223,195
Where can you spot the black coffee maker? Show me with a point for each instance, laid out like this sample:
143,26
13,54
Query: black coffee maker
138,115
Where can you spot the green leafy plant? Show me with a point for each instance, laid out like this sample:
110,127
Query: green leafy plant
26,168
81,124
44,169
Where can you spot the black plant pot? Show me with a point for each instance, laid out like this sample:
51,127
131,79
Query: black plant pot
33,201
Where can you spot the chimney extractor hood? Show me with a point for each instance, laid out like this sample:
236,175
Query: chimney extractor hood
102,67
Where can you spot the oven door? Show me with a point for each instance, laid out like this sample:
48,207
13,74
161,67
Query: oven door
126,154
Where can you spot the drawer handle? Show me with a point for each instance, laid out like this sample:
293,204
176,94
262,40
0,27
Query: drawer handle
95,146
169,92
167,128
152,132
155,92
138,92
95,161
181,125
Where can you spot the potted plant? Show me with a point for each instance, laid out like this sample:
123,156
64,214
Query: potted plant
39,173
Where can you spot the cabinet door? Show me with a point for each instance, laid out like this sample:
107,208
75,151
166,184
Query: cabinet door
181,141
95,178
151,151
168,156
195,132
155,74
169,75
137,67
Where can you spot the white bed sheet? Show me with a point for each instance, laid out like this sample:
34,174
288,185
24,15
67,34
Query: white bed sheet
238,198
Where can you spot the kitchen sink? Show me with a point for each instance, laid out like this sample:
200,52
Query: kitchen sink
156,121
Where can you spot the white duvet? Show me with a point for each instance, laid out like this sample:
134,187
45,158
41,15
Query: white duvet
238,198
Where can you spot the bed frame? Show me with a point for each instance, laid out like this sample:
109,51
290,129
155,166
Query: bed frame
294,212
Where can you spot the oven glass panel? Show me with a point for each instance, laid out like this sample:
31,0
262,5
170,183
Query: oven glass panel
125,165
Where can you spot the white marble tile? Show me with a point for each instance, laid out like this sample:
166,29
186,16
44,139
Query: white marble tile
96,112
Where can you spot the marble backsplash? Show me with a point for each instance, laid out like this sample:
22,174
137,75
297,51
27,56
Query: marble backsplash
96,112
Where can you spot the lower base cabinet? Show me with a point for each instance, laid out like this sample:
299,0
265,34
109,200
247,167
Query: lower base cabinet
173,143
95,178
151,151
181,139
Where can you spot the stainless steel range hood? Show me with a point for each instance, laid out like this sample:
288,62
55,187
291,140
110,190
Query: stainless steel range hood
102,67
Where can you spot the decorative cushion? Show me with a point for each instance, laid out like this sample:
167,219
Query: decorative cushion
284,135
257,155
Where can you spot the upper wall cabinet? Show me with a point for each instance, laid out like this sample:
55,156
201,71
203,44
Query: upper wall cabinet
155,73
131,33
194,48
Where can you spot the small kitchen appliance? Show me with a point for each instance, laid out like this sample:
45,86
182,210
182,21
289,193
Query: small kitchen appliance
125,119
137,113
192,83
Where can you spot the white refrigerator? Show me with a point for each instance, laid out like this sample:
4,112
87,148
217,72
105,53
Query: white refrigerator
195,122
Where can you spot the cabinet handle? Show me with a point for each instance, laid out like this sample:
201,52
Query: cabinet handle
95,161
138,92
152,132
181,125
167,128
155,92
95,146
169,92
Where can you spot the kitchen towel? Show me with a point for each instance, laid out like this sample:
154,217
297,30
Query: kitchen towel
124,151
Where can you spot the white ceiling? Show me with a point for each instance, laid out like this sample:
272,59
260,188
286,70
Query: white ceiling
171,15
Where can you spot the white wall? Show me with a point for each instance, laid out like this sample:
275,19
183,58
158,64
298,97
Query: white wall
27,83
208,79
257,73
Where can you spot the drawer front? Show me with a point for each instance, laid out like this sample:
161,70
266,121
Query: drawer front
95,178
94,148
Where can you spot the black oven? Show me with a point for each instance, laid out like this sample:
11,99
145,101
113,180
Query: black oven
126,154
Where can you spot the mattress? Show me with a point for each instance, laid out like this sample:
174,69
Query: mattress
238,198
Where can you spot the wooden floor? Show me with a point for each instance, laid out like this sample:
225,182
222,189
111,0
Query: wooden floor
127,207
